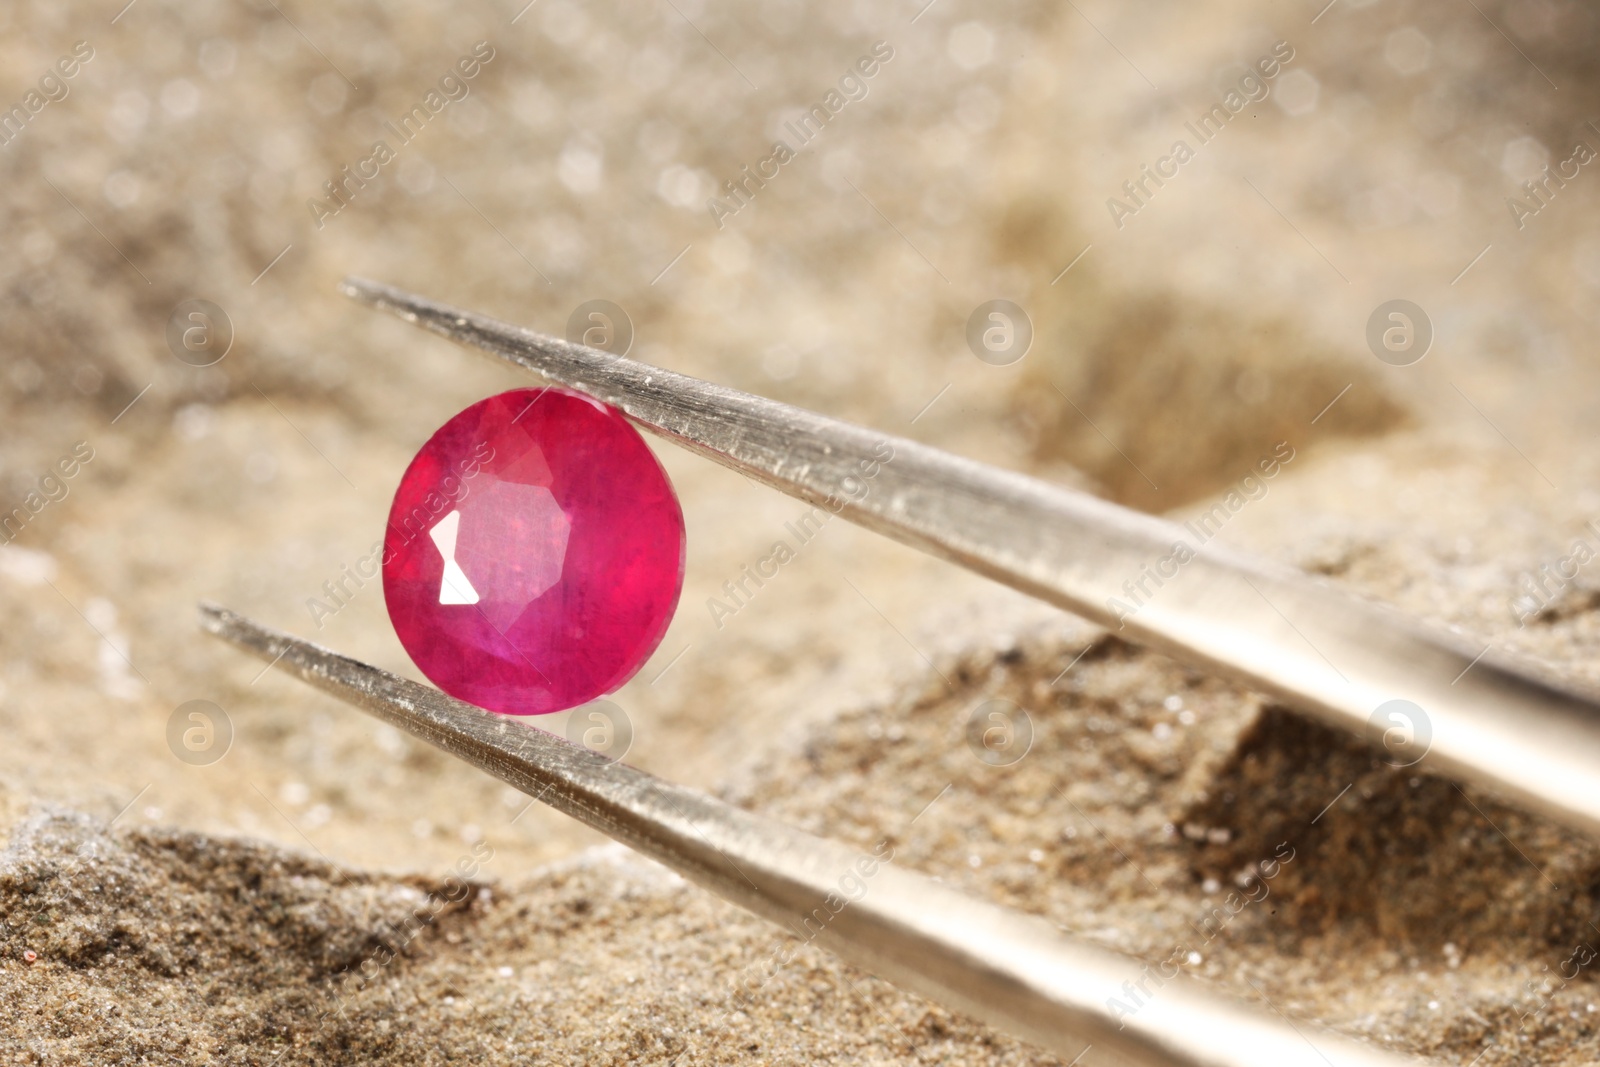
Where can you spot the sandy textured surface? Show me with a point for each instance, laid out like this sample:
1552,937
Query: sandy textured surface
154,911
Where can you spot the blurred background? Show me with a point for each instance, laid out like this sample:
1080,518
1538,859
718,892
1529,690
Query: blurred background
1180,329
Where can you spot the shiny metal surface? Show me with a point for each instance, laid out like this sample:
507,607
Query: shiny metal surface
1013,971
1492,721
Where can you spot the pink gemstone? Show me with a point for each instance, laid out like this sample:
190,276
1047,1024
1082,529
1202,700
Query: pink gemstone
534,553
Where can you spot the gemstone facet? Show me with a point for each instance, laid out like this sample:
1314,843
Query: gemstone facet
534,553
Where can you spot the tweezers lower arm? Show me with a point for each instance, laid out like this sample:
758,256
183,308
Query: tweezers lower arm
1014,971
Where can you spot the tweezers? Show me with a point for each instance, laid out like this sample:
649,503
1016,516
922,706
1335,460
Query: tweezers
1315,649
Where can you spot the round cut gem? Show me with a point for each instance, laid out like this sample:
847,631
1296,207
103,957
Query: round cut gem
534,553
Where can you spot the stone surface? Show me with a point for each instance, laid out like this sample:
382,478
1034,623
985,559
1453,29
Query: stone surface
534,553
1406,916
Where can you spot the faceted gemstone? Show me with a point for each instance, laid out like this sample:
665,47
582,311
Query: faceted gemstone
534,553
